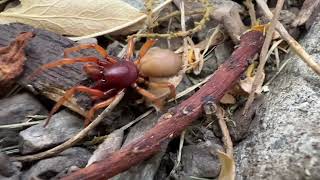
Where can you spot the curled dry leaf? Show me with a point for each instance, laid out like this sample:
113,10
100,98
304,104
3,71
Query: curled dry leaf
228,99
195,60
246,85
228,169
12,58
86,18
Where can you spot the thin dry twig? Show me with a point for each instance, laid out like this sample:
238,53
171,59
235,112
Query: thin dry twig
298,49
20,125
228,167
228,145
179,155
183,28
259,77
185,49
76,138
149,20
252,12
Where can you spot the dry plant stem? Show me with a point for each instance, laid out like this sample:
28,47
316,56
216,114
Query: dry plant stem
259,78
298,49
199,26
225,132
76,138
185,42
19,125
252,12
148,6
179,118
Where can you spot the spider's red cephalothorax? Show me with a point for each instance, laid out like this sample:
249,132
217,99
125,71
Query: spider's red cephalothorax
110,76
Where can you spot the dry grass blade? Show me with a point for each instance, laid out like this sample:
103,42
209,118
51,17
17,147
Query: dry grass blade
76,138
259,78
252,12
275,50
228,167
298,49
225,132
19,125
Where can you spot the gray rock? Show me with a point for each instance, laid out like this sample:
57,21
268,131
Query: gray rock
112,143
49,168
15,109
223,51
147,169
8,169
114,48
285,139
61,127
198,160
13,177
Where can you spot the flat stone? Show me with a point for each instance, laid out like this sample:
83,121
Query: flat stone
284,140
112,143
61,127
8,169
198,160
15,109
49,168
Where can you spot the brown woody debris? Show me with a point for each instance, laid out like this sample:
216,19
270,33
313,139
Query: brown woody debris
12,58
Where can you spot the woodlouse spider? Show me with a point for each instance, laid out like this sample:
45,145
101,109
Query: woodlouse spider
111,75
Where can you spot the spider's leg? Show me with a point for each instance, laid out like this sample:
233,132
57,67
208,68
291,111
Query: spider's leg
98,48
61,62
69,93
144,49
157,102
96,107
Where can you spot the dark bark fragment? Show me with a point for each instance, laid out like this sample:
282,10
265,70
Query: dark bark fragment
46,47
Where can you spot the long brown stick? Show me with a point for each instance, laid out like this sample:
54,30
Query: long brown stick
176,120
